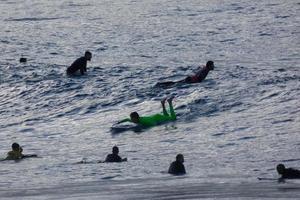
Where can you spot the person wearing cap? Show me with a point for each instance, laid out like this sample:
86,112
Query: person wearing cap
80,64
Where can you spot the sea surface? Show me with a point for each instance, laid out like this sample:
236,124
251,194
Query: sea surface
233,127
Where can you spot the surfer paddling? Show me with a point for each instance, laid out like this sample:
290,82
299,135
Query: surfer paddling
152,120
197,77
287,173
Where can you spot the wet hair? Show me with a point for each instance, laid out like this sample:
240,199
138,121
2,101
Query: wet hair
280,168
15,146
134,115
179,157
87,53
115,149
209,63
23,60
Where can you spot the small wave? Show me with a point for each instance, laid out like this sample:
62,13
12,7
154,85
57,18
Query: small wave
247,138
34,19
282,121
278,80
265,34
290,160
228,40
218,134
227,145
25,130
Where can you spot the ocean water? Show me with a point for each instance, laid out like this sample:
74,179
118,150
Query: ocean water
233,127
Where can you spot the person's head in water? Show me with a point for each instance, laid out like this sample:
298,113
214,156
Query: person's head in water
115,150
134,116
179,158
23,60
16,147
280,168
210,65
88,55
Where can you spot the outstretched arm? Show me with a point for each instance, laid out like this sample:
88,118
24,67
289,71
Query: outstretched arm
124,120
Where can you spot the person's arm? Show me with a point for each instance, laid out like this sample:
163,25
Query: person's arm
107,159
84,68
183,169
81,71
171,169
124,120
29,156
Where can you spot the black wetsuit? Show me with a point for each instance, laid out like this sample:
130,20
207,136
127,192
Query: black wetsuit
198,77
176,168
290,173
113,158
79,64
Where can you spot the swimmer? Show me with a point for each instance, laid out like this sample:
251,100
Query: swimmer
177,167
287,173
152,120
23,60
16,153
199,75
114,157
80,64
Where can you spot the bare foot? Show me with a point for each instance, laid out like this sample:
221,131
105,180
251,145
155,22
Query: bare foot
170,99
163,101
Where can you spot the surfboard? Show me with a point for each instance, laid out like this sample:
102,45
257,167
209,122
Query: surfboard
120,128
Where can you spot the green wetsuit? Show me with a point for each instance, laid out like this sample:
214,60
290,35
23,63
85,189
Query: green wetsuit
153,120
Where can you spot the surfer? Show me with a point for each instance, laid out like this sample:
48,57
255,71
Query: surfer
177,167
152,120
287,173
199,75
16,153
80,64
114,157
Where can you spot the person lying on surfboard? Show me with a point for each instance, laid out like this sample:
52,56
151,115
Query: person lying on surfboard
199,75
16,153
287,173
153,120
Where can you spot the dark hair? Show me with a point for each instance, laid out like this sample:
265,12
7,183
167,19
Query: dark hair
134,115
87,53
209,63
23,60
179,156
15,146
280,168
115,149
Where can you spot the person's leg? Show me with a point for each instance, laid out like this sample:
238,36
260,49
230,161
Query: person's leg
173,114
164,107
